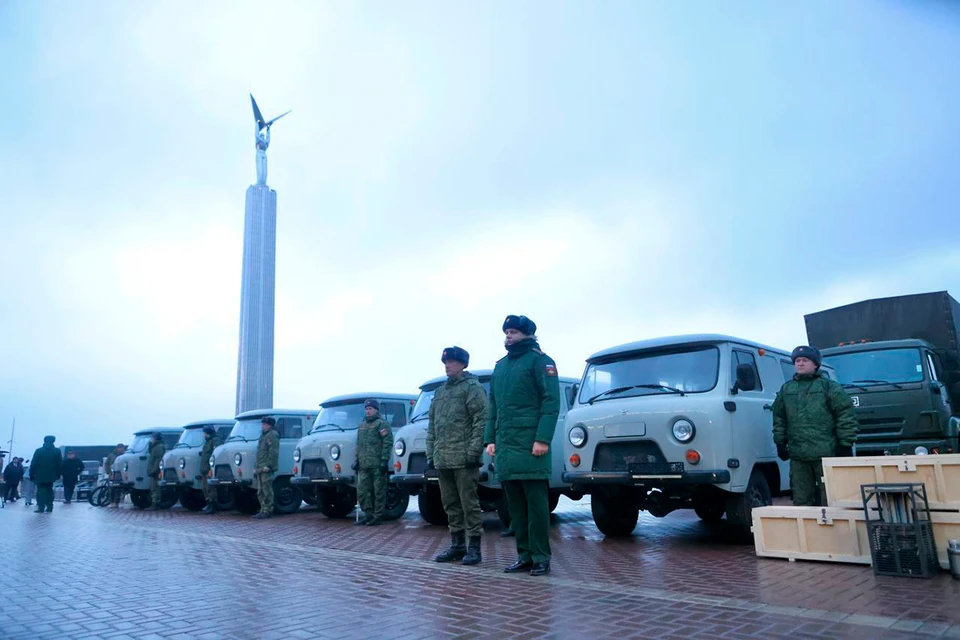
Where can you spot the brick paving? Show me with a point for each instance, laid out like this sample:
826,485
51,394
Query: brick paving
98,573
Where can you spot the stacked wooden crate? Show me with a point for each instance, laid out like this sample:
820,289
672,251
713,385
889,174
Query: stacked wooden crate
838,532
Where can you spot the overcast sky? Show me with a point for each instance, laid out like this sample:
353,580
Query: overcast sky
615,171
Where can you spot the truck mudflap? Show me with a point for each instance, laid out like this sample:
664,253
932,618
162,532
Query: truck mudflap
579,478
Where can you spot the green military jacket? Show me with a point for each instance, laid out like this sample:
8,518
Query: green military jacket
374,443
458,415
209,444
156,456
524,407
811,415
108,465
45,464
268,451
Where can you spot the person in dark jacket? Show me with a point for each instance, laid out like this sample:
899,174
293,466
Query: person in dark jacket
45,469
12,476
72,468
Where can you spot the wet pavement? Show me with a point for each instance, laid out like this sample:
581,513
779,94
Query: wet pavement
84,572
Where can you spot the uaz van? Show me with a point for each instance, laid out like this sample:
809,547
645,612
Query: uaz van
130,469
180,468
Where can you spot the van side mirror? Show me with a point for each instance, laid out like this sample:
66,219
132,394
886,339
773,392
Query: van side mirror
572,392
746,378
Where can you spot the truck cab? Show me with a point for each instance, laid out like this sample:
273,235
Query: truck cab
682,422
130,469
232,463
323,458
180,468
410,466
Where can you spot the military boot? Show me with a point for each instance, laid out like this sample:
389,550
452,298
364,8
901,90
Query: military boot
457,548
473,551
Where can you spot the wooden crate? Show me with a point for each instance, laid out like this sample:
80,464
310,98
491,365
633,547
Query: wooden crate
811,533
842,478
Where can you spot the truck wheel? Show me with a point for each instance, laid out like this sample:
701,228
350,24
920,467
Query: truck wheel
192,499
615,518
431,506
226,499
554,501
502,512
168,497
247,502
397,502
140,498
710,511
336,504
740,506
286,497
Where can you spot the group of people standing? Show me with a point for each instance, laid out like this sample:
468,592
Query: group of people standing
46,467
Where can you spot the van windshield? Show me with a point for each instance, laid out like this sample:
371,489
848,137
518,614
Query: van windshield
877,367
344,416
190,438
692,370
247,429
139,445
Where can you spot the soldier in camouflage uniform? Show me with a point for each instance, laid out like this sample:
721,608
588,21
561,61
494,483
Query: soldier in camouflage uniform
813,418
374,445
210,442
268,460
458,414
524,408
153,468
115,493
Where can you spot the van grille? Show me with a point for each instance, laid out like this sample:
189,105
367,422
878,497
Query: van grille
619,456
418,463
170,475
222,472
315,469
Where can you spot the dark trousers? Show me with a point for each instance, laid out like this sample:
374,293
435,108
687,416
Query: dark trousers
10,491
806,483
529,505
68,488
45,496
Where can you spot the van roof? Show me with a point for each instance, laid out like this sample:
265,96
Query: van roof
483,374
260,413
380,395
202,423
677,341
153,430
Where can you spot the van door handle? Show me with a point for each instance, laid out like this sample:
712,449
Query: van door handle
768,407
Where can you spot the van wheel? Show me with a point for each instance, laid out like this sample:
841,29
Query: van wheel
502,511
431,506
168,497
397,502
140,498
192,499
710,511
286,497
336,504
554,501
740,506
226,499
247,502
615,518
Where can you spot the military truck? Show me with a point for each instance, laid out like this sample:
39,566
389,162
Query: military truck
410,447
180,467
323,458
680,422
233,461
898,359
130,469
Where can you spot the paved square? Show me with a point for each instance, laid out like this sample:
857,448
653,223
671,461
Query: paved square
83,572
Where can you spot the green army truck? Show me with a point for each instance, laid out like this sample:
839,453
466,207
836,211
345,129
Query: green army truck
898,359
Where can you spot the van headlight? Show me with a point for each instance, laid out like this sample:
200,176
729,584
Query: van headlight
577,436
126,466
237,459
182,464
335,452
211,461
400,447
296,454
683,431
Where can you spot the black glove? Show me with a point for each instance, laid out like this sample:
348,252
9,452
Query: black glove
430,466
782,452
843,451
474,463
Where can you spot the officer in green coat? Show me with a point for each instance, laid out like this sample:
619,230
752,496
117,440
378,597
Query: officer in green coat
458,415
524,407
372,463
45,469
813,418
210,442
268,460
153,468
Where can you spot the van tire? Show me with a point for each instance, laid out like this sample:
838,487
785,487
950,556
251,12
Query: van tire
168,497
711,511
740,505
286,497
226,499
615,518
397,502
336,504
247,502
140,498
431,506
192,499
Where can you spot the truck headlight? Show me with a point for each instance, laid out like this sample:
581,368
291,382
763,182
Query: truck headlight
577,436
296,454
182,464
237,459
335,452
400,447
683,430
211,461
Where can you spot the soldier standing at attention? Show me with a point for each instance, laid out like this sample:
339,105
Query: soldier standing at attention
524,407
374,445
458,414
115,493
153,468
44,471
268,460
813,418
210,442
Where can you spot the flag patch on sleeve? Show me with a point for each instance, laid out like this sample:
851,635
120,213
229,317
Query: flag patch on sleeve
551,370
383,432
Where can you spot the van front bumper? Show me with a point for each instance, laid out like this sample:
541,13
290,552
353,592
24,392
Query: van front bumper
409,479
580,478
335,480
214,482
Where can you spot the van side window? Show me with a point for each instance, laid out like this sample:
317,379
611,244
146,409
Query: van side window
745,357
169,440
394,413
290,428
788,370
